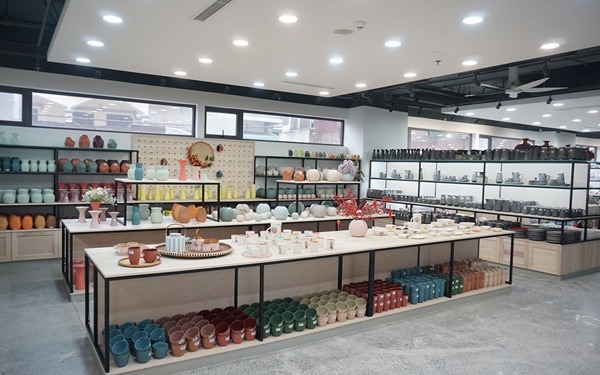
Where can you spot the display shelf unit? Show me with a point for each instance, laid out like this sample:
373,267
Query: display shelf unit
291,161
124,182
424,191
22,249
297,185
113,278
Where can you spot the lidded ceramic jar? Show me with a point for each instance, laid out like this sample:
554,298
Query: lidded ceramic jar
22,195
48,195
9,196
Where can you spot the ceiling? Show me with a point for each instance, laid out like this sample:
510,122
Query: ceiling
158,38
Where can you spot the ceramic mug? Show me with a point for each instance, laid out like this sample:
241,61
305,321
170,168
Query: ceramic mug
134,255
560,179
517,177
544,177
151,255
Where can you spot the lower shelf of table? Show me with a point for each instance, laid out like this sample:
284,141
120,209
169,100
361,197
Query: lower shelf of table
218,354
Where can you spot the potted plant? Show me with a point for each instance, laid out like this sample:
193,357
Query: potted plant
360,211
97,196
348,170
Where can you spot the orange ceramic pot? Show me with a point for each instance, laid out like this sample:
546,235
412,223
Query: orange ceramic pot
84,141
14,222
69,142
299,175
287,173
3,222
201,214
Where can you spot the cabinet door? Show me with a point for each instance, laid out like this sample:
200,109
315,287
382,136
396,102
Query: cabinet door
545,257
35,244
521,256
489,249
5,246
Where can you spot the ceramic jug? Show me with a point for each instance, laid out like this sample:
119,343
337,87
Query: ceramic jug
175,243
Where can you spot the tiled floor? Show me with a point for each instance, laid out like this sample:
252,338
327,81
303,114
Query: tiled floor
543,326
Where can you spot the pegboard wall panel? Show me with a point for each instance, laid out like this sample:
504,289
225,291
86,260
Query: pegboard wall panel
235,161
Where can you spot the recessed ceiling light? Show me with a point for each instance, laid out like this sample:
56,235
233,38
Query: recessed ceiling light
288,18
342,32
537,123
592,111
336,60
393,43
291,74
258,84
470,114
511,109
546,115
95,43
205,60
361,85
505,118
469,62
558,104
576,120
472,20
180,73
562,127
410,75
323,93
550,46
112,19
240,43
586,130
84,60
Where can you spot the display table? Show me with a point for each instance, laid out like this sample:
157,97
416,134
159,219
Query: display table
77,236
117,290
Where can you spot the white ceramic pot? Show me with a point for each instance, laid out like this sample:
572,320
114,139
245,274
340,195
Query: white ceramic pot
313,175
331,211
280,212
333,175
319,211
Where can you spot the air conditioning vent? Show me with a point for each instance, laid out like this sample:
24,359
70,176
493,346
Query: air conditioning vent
211,9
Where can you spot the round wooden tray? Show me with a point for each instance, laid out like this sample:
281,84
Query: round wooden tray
124,262
224,249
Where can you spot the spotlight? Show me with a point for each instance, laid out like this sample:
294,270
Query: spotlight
162,82
549,99
420,111
276,96
317,100
498,105
411,92
456,109
546,71
476,82
98,74
225,89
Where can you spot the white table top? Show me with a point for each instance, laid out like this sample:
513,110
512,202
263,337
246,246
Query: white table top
106,261
321,182
75,227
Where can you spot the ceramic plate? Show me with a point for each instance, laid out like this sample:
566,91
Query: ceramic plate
247,254
417,236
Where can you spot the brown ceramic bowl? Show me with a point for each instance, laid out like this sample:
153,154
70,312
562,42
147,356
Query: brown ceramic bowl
177,338
173,330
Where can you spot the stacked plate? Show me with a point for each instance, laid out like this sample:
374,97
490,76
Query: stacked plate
537,234
520,232
554,236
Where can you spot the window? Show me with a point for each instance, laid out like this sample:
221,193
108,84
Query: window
439,140
272,127
503,142
11,106
111,114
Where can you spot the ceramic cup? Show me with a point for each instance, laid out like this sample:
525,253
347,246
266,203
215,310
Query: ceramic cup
134,255
151,255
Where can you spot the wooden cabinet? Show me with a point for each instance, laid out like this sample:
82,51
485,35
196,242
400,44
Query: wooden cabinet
5,246
29,244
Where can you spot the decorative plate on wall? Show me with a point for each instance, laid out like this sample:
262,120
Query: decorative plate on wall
201,154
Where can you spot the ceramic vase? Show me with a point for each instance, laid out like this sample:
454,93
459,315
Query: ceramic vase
9,196
333,175
98,142
358,228
156,216
135,215
95,223
15,139
162,173
182,164
43,166
24,165
69,142
113,218
150,172
103,213
48,195
33,165
139,171
144,211
51,165
112,143
36,196
131,172
313,175
82,210
84,141
15,164
2,138
347,177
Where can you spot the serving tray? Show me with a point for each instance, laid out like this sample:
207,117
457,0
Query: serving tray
224,249
124,262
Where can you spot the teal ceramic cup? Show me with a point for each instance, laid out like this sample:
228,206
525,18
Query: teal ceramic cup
292,308
121,360
142,344
124,326
311,318
276,325
141,325
159,349
120,348
158,335
288,322
149,328
115,339
299,320
266,329
138,335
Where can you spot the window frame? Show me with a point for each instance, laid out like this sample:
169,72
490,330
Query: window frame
410,129
240,125
25,103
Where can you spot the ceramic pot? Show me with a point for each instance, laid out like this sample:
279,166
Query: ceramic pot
347,177
15,139
69,142
313,175
27,222
15,164
22,196
14,222
139,171
25,165
156,216
43,166
98,142
298,175
144,211
319,211
226,214
112,143
358,228
263,208
3,222
331,211
50,221
201,214
84,141
135,215
287,173
51,165
280,212
36,196
162,173
333,175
